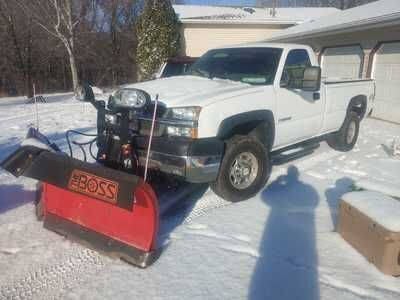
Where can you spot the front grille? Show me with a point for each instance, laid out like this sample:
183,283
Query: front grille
145,127
161,110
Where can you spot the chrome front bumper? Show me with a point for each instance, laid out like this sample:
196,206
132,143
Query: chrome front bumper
196,169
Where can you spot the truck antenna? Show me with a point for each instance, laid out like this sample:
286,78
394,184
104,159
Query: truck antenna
150,137
36,107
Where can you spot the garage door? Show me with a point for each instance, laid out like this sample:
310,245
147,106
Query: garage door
386,72
342,62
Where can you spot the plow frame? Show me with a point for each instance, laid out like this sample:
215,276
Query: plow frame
108,210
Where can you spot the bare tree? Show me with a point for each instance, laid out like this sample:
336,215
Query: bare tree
120,18
57,18
21,41
102,43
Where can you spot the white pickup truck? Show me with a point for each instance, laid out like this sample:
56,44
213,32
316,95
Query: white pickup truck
237,107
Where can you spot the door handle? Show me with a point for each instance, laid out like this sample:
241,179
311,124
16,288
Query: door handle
316,96
284,119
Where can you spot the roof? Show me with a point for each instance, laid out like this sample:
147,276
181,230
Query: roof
365,16
249,15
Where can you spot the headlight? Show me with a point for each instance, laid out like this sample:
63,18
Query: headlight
190,113
130,98
182,131
185,114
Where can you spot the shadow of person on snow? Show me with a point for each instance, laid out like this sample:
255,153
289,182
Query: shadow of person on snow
13,196
288,264
334,194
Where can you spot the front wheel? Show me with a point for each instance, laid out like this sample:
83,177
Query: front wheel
244,170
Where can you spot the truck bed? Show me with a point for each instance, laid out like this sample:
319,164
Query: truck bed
338,94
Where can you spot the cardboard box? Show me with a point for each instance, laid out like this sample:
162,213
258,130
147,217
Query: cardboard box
369,223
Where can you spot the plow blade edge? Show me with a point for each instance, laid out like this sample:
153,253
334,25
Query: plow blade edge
109,210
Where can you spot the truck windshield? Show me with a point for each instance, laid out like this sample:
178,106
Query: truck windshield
249,65
175,68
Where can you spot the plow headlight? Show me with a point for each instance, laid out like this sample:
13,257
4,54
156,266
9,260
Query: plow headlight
111,119
130,98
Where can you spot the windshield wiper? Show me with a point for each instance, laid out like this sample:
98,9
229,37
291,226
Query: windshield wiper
202,73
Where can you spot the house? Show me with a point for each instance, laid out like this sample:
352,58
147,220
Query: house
362,42
206,27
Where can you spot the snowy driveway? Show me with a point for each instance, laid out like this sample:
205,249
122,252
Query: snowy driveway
278,245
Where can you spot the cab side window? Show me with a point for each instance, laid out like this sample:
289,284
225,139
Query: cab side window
296,60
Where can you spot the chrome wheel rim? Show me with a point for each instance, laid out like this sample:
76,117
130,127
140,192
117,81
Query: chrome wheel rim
243,171
351,132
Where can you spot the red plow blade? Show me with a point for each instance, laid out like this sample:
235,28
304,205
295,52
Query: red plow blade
108,210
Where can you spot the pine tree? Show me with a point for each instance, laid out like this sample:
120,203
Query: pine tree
158,36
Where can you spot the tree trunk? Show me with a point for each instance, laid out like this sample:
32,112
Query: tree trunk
74,71
64,75
29,81
69,45
114,42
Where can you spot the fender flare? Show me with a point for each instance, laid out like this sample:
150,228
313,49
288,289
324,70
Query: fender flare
258,122
359,104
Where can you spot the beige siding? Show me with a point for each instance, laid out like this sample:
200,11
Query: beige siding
198,38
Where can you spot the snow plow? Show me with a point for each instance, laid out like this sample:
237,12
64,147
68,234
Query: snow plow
105,204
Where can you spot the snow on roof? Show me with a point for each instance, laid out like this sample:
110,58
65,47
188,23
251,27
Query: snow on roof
214,14
350,19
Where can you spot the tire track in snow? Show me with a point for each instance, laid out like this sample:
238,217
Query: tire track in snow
45,112
49,281
207,203
211,201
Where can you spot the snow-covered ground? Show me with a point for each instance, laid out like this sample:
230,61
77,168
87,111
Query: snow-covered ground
280,244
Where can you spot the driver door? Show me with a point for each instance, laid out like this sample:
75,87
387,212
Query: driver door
299,113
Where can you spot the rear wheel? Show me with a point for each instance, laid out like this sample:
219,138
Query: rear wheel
244,170
345,139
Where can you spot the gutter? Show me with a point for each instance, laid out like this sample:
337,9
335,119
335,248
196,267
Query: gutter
241,22
379,21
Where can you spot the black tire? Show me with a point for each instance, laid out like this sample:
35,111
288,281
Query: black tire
224,187
345,139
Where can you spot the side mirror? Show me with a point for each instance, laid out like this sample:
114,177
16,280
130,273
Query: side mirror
85,93
312,79
306,79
